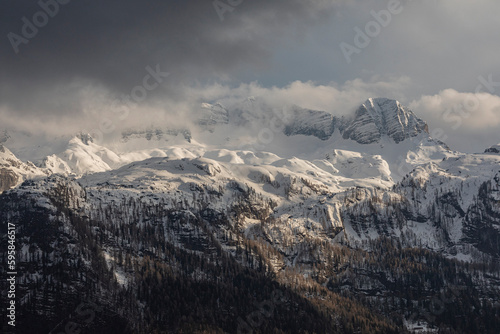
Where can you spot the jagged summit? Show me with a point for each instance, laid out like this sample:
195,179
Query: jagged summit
225,131
86,138
375,118
493,149
381,116
5,151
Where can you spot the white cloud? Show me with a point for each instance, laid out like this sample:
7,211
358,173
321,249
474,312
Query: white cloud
334,98
469,121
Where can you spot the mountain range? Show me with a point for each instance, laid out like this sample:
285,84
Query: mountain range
364,223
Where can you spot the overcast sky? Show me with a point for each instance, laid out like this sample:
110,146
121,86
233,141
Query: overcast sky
62,64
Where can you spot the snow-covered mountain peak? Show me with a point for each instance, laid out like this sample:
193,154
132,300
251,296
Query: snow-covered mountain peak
383,137
9,160
379,117
5,153
493,149
85,138
81,156
13,171
374,119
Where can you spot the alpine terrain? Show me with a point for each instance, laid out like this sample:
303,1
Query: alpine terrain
255,220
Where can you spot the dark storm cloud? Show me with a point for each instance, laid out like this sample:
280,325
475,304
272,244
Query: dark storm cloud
109,44
90,52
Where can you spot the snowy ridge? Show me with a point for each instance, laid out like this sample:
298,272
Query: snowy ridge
376,118
13,171
385,141
369,207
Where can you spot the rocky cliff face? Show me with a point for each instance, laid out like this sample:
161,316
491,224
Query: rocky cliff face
152,227
319,124
493,149
482,221
213,114
372,120
379,117
8,179
452,208
13,170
